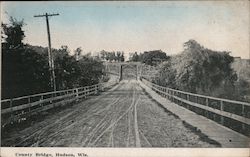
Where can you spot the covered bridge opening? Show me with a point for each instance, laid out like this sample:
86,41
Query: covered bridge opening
128,71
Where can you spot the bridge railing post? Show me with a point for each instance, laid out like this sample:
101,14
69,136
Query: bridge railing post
77,94
244,115
11,112
167,93
84,92
174,94
41,99
221,109
29,104
88,90
96,89
51,101
207,104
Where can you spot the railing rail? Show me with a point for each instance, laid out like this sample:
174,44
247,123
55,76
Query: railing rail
19,108
223,108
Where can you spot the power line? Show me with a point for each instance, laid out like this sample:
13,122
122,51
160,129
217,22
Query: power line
51,61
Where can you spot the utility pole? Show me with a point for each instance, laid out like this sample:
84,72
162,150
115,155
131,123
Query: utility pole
51,60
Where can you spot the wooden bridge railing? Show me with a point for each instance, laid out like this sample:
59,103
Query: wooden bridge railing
229,113
18,109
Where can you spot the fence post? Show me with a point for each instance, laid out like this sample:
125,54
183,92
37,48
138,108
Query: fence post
96,86
77,94
85,92
51,96
165,92
175,101
11,113
221,108
29,104
102,86
170,95
243,114
207,104
41,99
51,101
187,98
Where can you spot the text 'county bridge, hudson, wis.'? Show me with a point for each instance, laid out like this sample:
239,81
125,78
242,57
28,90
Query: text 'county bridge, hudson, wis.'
127,111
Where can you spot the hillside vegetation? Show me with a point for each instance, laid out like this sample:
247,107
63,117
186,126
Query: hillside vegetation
25,68
204,71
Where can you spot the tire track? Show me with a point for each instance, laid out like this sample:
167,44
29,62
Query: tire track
93,131
129,128
98,109
102,113
148,143
137,138
38,132
131,108
116,121
111,139
112,117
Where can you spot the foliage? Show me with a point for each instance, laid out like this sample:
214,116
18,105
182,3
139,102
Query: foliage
112,56
199,70
152,58
134,57
77,53
13,33
25,68
23,72
242,68
71,73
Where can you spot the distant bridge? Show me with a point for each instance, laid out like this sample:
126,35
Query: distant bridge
137,69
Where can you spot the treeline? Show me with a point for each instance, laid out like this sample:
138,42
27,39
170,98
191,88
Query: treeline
201,70
25,68
112,56
152,58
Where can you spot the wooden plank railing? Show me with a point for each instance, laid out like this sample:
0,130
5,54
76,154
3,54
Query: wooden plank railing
17,109
114,73
221,109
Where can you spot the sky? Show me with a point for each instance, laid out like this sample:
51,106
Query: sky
136,26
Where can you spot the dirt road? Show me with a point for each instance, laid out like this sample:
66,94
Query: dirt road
124,116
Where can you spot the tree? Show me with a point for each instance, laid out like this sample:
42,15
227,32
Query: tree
134,57
153,58
112,56
78,53
90,71
118,56
13,33
25,68
103,55
200,70
24,72
122,57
